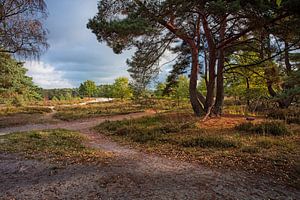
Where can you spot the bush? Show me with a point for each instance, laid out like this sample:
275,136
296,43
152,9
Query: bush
209,142
247,126
18,101
289,115
271,128
145,136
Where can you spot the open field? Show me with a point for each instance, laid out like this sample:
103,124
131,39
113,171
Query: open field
66,164
12,116
69,113
168,137
215,143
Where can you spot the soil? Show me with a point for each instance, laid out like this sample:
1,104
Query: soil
131,174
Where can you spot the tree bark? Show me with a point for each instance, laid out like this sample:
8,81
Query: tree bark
288,65
196,104
220,85
220,77
211,66
211,82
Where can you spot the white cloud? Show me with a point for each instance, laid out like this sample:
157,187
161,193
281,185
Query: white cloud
46,76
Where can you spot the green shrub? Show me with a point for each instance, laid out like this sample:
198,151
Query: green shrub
35,135
270,128
273,128
209,142
110,126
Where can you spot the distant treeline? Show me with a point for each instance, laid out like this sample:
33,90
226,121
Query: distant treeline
119,89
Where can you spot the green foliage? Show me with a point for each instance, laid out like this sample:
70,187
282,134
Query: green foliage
63,94
18,101
15,86
178,90
88,89
271,128
121,89
293,81
159,90
148,129
248,84
105,91
181,91
154,27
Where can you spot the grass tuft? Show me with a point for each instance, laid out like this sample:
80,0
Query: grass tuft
58,145
209,142
269,128
215,143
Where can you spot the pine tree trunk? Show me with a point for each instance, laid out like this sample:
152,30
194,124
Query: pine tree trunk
220,77
196,105
288,65
211,66
211,82
220,89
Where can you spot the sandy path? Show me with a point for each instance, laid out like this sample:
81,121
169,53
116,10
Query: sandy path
131,175
73,125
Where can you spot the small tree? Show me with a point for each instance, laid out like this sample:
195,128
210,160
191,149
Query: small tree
121,89
105,91
181,91
159,90
88,89
15,86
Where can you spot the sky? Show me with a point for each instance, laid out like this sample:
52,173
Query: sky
75,55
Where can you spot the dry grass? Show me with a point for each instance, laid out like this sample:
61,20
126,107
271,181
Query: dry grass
56,145
214,142
117,107
17,116
9,111
69,113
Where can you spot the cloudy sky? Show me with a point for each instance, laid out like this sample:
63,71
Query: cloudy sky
74,54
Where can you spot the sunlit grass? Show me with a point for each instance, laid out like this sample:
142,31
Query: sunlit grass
56,145
186,137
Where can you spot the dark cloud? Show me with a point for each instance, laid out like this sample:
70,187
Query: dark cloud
75,55
74,52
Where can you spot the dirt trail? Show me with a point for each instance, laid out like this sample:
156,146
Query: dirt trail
131,175
73,125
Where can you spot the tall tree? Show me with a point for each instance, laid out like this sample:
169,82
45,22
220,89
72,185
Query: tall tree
21,27
14,83
204,26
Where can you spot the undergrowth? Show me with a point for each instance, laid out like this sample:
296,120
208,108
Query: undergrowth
186,137
269,128
56,145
